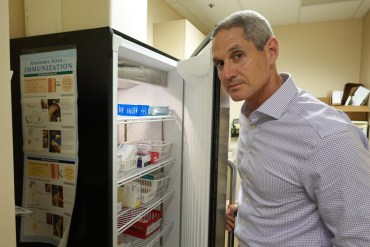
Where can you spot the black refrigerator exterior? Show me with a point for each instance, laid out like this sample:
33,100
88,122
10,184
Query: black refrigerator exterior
93,220
88,227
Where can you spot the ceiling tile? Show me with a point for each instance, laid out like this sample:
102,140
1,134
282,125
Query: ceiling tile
286,12
316,2
187,14
199,13
210,16
328,12
364,8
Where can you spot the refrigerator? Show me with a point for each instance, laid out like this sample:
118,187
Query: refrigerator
111,69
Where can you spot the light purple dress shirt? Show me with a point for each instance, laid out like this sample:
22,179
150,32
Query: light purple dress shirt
305,174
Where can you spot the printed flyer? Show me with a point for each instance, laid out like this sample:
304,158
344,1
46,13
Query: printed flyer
49,193
49,103
50,144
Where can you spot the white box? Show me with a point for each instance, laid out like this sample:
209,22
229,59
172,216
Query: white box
336,97
360,96
127,151
119,206
144,160
129,195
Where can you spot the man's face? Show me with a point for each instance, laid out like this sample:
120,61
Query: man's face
243,70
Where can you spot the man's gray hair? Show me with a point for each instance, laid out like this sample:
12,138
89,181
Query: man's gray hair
256,27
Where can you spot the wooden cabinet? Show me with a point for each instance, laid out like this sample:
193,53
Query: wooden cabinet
356,113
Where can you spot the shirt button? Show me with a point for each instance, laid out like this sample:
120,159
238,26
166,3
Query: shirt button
253,126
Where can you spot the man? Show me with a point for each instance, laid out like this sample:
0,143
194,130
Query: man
304,167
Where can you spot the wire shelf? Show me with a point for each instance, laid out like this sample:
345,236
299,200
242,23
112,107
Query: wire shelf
153,239
128,216
125,177
144,119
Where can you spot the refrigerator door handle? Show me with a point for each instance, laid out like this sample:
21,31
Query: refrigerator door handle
232,167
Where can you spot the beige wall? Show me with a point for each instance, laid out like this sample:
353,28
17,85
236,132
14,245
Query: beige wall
193,37
82,14
129,17
321,56
70,20
159,11
17,26
175,45
7,214
185,38
365,56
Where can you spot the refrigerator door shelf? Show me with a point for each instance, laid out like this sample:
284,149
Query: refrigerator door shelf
125,177
150,241
128,216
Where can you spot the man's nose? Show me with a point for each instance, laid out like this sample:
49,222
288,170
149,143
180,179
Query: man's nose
229,70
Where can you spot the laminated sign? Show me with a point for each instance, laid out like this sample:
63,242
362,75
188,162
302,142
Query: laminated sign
50,144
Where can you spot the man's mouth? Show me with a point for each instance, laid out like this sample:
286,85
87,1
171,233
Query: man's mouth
234,86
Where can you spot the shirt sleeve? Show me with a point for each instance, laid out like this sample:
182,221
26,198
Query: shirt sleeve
338,179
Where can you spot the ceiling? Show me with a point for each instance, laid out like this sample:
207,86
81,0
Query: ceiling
205,14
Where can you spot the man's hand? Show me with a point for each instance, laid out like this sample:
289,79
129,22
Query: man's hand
231,213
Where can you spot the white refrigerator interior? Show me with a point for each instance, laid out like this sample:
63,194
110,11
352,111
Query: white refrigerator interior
136,85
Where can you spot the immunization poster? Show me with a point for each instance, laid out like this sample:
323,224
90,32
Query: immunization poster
50,144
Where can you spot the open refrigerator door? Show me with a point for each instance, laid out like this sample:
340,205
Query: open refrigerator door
206,121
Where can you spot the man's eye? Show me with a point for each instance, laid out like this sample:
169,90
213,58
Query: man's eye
219,64
237,56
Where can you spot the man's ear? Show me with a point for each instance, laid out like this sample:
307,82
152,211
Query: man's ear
272,46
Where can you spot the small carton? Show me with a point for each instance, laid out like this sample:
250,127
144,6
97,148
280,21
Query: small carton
336,97
129,195
143,161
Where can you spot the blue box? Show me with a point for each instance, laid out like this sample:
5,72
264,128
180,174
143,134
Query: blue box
132,110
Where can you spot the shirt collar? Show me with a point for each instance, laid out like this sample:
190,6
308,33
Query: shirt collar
277,103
